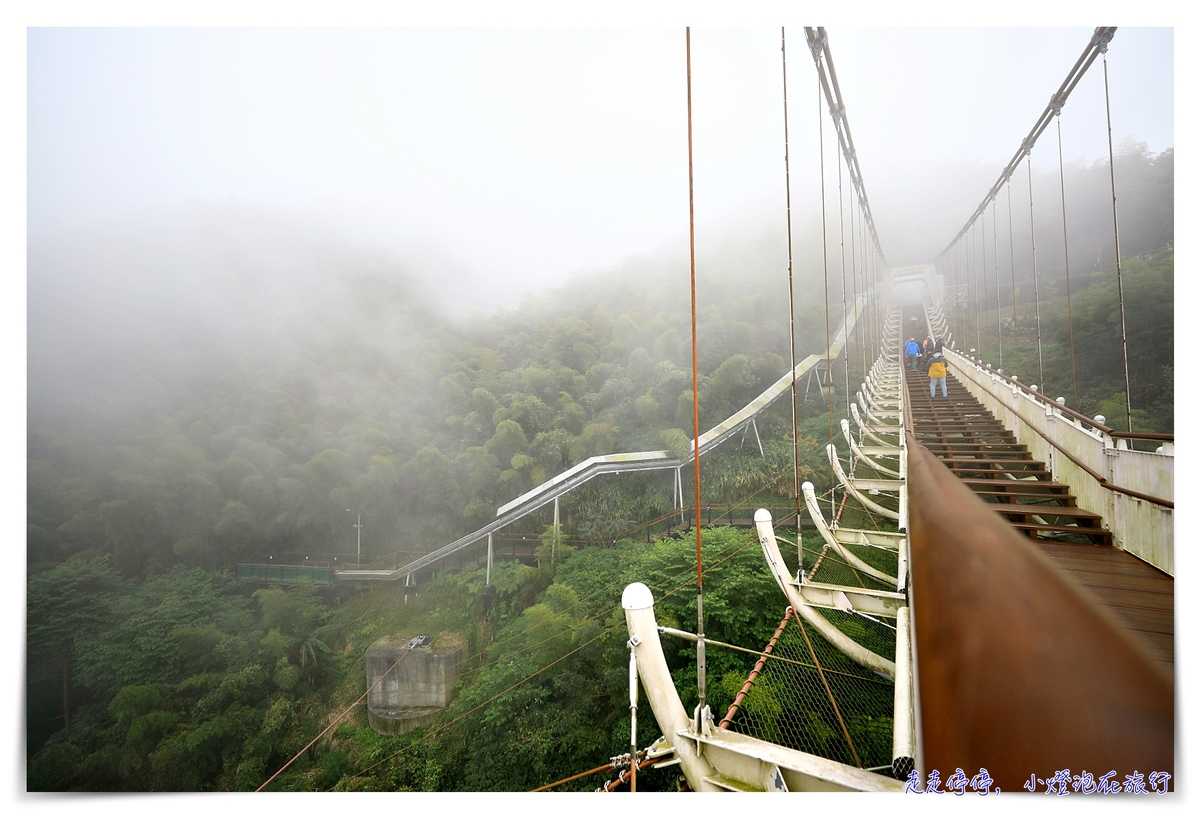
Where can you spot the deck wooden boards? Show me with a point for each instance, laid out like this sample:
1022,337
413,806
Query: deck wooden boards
1138,595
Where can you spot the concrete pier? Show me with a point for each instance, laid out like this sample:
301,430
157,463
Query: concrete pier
415,691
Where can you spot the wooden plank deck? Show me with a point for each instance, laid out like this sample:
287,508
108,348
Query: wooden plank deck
1138,595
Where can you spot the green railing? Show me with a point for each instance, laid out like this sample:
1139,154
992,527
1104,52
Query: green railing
285,573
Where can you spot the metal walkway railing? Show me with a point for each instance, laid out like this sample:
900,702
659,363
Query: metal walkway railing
1034,654
593,467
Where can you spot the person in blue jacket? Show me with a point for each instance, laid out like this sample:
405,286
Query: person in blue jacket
911,350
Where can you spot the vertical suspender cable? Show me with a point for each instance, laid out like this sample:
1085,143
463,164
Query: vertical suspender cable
825,266
880,309
964,289
983,290
787,177
842,242
1062,189
1112,175
869,288
1012,270
854,280
975,294
996,259
873,288
859,326
633,703
960,277
1037,303
700,669
954,290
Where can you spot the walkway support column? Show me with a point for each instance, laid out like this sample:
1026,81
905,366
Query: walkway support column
656,680
554,542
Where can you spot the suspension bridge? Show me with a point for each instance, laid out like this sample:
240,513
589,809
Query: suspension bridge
1008,624
1023,604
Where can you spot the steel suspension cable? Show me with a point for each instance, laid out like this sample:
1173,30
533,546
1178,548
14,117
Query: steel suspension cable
333,723
842,244
575,777
984,289
996,259
1096,45
828,692
758,666
434,731
1112,175
975,297
969,274
964,291
955,310
1062,189
1012,269
860,335
700,667
818,41
825,266
1037,303
880,315
787,176
960,298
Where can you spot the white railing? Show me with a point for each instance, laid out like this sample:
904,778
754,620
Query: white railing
1142,527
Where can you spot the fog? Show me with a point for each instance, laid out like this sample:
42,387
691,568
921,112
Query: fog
196,194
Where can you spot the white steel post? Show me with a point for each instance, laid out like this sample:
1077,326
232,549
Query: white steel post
633,701
554,542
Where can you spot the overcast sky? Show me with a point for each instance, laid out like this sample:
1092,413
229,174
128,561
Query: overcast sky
526,154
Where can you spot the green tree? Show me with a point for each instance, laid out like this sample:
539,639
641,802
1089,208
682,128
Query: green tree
63,606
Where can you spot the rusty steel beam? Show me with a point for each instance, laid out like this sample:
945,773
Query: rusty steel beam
1020,671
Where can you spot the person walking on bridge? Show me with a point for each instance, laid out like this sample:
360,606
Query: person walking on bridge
937,374
911,351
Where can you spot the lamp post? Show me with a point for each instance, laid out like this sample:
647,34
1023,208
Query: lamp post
358,525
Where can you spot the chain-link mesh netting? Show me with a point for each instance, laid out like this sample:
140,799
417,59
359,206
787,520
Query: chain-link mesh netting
810,697
822,564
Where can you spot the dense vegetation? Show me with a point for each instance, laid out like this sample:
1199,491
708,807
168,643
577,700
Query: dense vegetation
423,427
1094,330
224,703
153,471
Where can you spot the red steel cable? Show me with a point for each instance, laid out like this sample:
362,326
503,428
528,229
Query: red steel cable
700,669
758,666
334,722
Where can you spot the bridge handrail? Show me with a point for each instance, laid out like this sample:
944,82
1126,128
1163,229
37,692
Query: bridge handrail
1004,641
1165,437
1101,479
1092,472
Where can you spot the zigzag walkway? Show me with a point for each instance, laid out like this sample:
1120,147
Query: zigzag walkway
741,421
974,445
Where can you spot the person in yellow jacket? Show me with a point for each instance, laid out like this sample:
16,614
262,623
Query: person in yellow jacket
937,374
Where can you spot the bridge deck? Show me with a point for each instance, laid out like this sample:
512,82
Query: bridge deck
985,455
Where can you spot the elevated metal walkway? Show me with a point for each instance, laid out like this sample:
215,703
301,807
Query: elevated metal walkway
741,421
